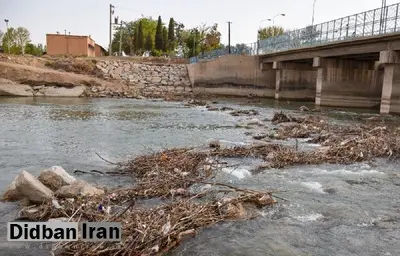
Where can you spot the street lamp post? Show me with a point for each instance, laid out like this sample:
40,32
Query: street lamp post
313,11
259,29
8,36
273,19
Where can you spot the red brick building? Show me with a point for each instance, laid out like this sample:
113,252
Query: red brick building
73,45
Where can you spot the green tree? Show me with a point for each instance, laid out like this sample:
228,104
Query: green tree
165,39
158,40
201,39
270,31
149,42
22,37
36,50
171,35
130,34
140,38
9,42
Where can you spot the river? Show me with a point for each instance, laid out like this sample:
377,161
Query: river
332,209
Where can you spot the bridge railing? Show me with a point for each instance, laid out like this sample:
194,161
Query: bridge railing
370,23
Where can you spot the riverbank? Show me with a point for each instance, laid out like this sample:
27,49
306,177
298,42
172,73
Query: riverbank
24,76
341,144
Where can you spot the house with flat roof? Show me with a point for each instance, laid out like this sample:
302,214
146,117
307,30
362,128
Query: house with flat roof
72,45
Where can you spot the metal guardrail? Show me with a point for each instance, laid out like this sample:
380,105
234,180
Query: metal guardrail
370,23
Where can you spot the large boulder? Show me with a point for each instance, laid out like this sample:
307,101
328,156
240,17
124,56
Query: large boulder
28,186
11,193
75,91
10,88
77,189
56,177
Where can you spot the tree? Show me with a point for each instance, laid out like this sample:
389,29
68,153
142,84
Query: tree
9,43
201,39
158,40
130,34
165,39
1,35
22,37
270,31
140,38
36,50
149,42
171,35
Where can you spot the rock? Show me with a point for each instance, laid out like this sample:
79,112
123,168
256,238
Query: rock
255,121
11,193
30,187
75,91
56,177
304,109
213,108
226,108
78,188
214,144
10,88
260,136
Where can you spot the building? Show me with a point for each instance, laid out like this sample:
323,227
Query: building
99,50
73,45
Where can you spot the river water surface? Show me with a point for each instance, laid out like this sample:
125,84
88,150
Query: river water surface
332,209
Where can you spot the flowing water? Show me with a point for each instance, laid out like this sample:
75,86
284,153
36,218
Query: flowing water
332,209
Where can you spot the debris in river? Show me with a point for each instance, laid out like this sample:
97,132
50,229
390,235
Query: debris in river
281,118
304,109
194,102
251,112
162,227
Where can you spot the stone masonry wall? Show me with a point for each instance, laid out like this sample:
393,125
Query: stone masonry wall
149,79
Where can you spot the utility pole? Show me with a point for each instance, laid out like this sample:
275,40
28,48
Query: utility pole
8,36
111,14
229,37
120,39
194,42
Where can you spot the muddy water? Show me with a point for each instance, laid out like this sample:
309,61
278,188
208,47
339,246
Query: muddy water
332,209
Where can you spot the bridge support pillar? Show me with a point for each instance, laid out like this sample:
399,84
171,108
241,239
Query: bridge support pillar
294,80
390,100
346,82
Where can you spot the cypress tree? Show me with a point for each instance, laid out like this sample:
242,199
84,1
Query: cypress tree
165,39
149,43
171,34
140,43
159,35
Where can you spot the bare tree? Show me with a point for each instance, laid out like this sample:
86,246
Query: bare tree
22,37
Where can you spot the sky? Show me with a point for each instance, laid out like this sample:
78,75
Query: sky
91,17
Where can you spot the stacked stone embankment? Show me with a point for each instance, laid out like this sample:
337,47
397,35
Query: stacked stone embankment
148,79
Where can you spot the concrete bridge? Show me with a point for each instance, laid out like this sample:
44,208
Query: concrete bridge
361,72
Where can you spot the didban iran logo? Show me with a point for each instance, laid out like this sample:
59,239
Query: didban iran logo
64,231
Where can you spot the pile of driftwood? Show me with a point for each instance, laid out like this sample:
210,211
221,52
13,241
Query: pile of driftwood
341,144
169,176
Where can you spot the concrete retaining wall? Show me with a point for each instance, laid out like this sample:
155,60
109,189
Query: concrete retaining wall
233,75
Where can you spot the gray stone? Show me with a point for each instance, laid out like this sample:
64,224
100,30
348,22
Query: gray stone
55,177
28,186
10,88
78,188
75,91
